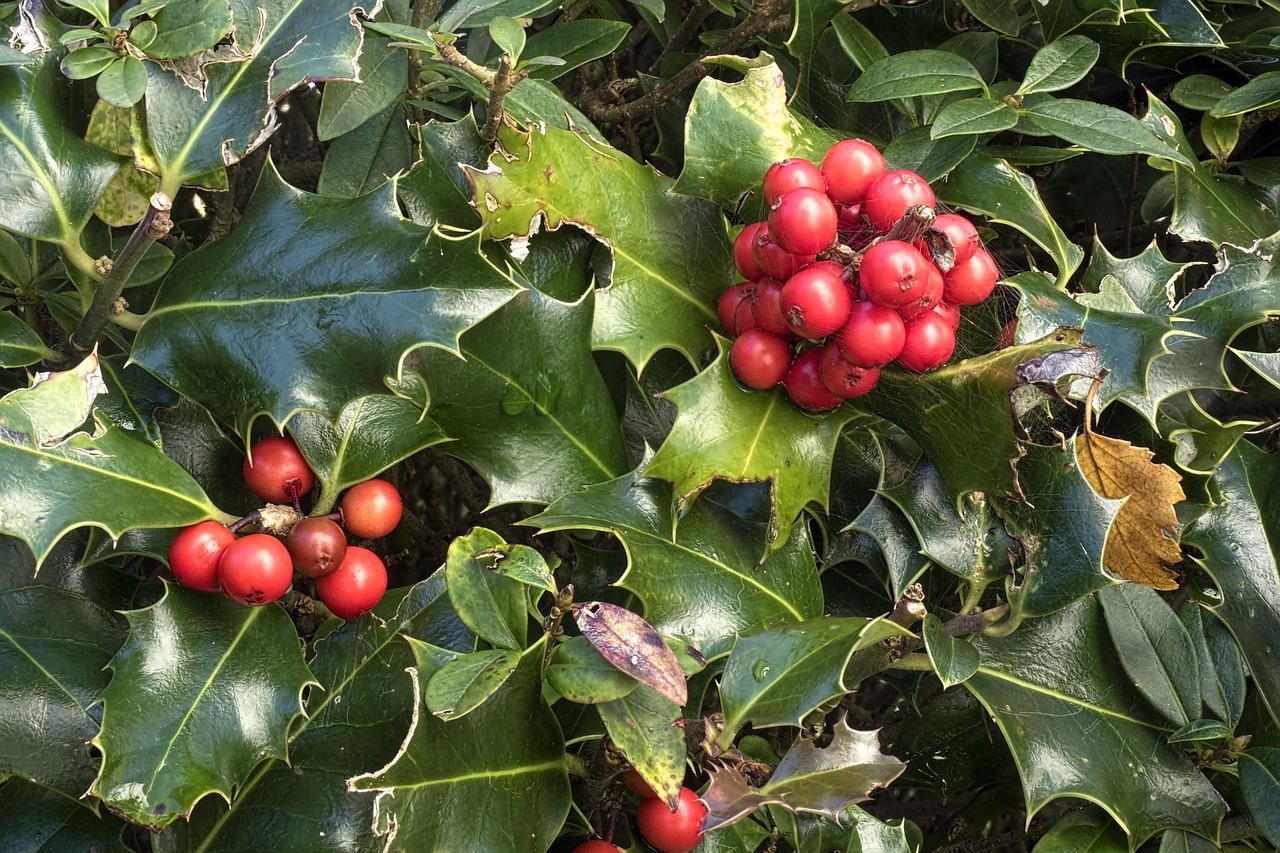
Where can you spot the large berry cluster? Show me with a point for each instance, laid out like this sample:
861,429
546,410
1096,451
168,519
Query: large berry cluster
851,271
259,568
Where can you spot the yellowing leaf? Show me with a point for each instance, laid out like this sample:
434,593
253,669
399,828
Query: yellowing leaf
1143,538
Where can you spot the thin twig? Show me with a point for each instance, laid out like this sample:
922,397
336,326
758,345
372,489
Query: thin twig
503,82
687,29
423,10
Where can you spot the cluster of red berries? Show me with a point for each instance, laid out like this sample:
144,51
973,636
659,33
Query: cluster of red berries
852,270
259,568
663,829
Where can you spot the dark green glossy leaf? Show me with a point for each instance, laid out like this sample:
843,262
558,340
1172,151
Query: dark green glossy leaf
85,62
167,742
915,73
808,20
579,673
1221,668
992,187
1198,92
954,658
1155,650
996,14
123,82
1097,127
671,254
973,116
1201,730
520,563
644,726
480,13
39,819
1181,841
1260,780
19,343
466,682
527,406
929,158
1090,830
361,267
1076,729
346,106
856,832
100,9
1259,93
57,632
1144,278
724,431
53,178
134,399
576,42
706,584
13,56
950,745
189,27
371,434
1060,65
288,43
362,160
858,42
505,760
15,267
54,479
491,605
435,190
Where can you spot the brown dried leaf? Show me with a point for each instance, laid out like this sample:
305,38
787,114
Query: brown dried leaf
1144,536
632,645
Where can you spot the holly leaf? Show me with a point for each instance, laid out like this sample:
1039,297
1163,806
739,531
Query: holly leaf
1076,728
167,742
1146,279
1089,830
53,178
361,267
53,480
36,815
492,605
1144,534
221,105
953,658
579,673
1260,782
1155,650
466,682
724,431
647,728
505,760
355,721
20,345
671,257
703,583
526,402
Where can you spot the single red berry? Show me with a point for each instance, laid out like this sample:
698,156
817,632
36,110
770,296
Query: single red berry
371,509
872,336
597,846
804,383
635,784
803,221
786,175
961,232
274,466
734,308
356,587
815,302
850,167
950,313
972,281
834,267
672,832
891,194
255,569
760,359
317,546
766,307
844,378
194,554
929,343
931,296
742,257
894,273
775,261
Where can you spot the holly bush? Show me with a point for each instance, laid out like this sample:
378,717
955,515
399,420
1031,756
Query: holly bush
1028,599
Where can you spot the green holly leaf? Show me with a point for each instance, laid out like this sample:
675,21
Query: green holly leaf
346,106
1089,830
361,266
1155,650
954,659
364,159
505,760
899,547
528,406
187,28
466,682
646,727
703,583
37,815
1076,728
492,605
54,478
671,252
1260,781
355,722
1146,279
19,343
53,178
435,189
168,742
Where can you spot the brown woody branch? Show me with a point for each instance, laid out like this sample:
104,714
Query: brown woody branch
498,83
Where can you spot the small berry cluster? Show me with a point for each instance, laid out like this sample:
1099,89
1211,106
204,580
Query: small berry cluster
259,568
852,270
664,830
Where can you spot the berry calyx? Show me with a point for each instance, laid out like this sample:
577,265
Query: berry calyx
672,832
850,167
371,509
356,587
255,569
275,470
317,547
759,359
195,552
803,221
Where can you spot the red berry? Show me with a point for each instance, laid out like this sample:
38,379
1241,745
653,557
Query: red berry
844,378
786,175
850,167
766,307
356,587
962,234
950,313
872,336
317,546
931,296
815,302
195,552
255,569
972,281
804,383
775,261
635,784
371,509
742,257
803,221
734,308
929,343
273,466
672,832
894,273
596,846
759,359
891,194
